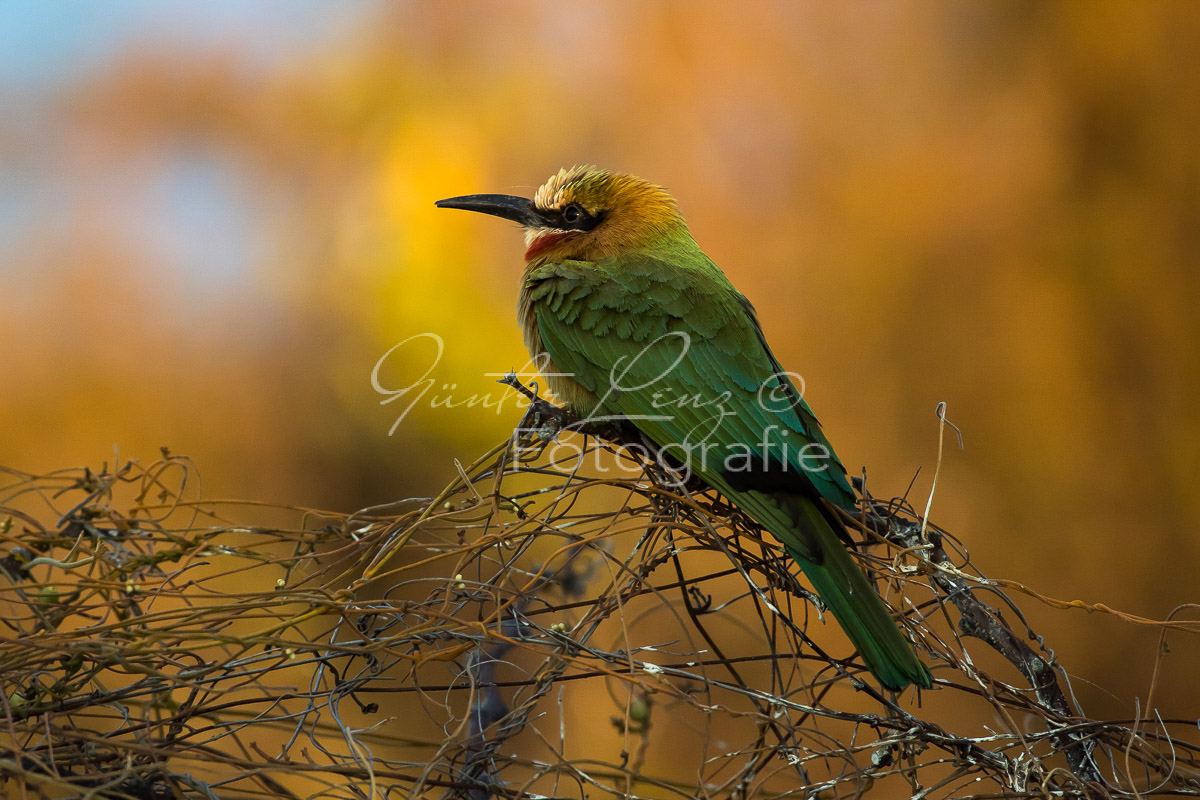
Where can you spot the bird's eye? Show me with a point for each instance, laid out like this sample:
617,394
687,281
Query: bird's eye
574,217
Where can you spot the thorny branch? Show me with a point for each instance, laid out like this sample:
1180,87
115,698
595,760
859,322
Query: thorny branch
979,620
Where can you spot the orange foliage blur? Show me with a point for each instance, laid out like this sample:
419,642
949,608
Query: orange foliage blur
996,205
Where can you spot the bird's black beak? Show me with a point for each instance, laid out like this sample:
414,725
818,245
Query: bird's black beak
518,209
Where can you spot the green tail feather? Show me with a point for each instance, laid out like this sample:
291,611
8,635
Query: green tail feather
860,610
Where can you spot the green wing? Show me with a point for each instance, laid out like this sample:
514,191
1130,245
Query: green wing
680,352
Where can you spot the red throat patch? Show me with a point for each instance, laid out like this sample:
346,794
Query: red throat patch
544,243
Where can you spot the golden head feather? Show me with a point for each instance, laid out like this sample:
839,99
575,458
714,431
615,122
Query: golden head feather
608,212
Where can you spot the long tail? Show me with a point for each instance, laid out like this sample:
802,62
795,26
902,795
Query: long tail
811,538
855,604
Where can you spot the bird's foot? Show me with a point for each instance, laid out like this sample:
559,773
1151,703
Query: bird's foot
543,421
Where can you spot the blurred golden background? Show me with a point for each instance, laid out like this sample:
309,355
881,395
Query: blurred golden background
216,218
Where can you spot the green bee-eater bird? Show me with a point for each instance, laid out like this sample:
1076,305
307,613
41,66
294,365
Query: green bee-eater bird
636,322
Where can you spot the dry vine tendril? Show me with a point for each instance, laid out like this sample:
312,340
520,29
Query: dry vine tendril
538,629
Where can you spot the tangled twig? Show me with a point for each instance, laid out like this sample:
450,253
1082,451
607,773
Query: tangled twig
563,620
